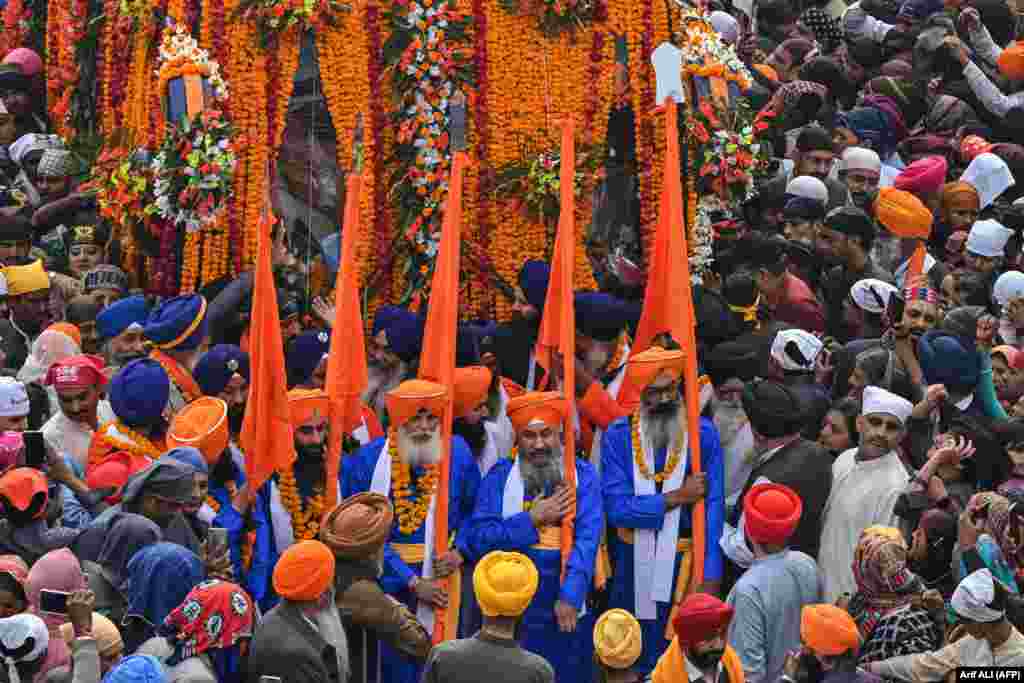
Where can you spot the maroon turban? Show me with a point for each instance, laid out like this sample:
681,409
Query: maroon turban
700,617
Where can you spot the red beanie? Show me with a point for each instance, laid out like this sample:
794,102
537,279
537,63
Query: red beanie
772,512
700,617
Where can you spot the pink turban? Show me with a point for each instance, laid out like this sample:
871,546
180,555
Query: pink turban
924,176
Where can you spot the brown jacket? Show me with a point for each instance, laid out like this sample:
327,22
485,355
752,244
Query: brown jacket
362,602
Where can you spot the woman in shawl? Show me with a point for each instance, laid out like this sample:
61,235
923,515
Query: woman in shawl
931,551
58,570
159,578
884,604
13,574
108,575
204,639
999,544
57,342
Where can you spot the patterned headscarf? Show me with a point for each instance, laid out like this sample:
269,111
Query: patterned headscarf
787,98
883,580
827,31
213,618
998,522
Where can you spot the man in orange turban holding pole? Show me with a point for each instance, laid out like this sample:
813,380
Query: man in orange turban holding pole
404,467
520,508
649,496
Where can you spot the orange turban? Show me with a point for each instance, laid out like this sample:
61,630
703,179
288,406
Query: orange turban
618,639
25,489
958,195
69,330
471,387
304,571
305,404
828,630
643,368
405,400
202,424
1011,61
550,407
504,583
903,214
358,526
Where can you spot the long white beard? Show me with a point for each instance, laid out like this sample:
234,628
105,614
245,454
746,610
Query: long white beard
328,623
544,477
380,382
417,453
730,419
661,431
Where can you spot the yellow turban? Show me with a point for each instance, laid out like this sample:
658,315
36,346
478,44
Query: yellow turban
25,279
1011,61
828,630
304,571
617,639
903,214
643,368
504,583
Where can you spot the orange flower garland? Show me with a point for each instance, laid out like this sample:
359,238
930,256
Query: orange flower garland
250,537
136,444
641,459
410,513
180,377
305,513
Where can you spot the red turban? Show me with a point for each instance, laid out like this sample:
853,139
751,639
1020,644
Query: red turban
111,473
547,406
700,617
471,387
772,512
77,372
924,176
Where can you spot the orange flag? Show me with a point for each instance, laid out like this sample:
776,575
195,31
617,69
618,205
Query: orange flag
437,364
668,307
267,430
346,360
558,326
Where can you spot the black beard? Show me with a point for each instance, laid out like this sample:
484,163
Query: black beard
225,470
666,409
236,416
311,452
474,434
707,660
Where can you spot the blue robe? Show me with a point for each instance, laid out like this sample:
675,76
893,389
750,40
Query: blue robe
571,654
257,579
464,481
628,511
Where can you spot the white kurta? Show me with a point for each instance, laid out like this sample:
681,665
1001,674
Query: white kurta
66,436
968,651
863,494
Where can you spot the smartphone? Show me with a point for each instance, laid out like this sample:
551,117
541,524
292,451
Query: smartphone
54,602
35,449
270,679
217,541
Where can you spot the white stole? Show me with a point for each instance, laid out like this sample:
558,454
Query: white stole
381,484
515,491
654,553
490,454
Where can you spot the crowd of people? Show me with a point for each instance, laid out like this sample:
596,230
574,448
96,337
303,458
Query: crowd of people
861,421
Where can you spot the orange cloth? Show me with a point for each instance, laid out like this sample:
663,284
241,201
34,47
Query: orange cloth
267,437
958,195
358,527
405,400
472,385
512,388
305,405
70,330
550,407
643,368
373,425
347,373
304,571
202,424
111,473
671,667
20,486
903,214
767,71
1011,61
828,630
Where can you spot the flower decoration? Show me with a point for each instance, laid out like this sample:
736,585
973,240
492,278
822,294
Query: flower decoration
556,16
180,55
729,155
193,171
535,180
275,16
702,234
122,181
705,53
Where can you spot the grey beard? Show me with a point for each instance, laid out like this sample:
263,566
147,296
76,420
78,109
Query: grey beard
544,477
660,429
380,382
730,420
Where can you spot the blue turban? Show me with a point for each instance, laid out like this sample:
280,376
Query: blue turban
189,456
404,331
600,316
159,578
873,128
179,323
533,280
946,359
137,669
139,392
120,315
305,353
215,368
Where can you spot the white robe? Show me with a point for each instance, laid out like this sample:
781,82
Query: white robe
863,494
66,436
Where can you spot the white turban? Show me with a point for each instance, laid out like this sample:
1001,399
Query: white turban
872,295
808,187
726,26
861,159
796,350
879,401
988,238
973,599
1009,285
989,175
13,398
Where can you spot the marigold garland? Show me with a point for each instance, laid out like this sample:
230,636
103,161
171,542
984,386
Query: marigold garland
137,444
640,457
181,378
305,512
410,512
249,537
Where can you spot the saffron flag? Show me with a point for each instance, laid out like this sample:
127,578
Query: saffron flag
267,430
347,375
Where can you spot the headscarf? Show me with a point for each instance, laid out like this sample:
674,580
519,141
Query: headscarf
504,583
958,195
873,129
159,578
890,108
108,638
14,634
947,115
304,571
358,526
827,31
57,570
618,639
51,346
998,522
126,535
884,582
213,618
788,97
137,669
